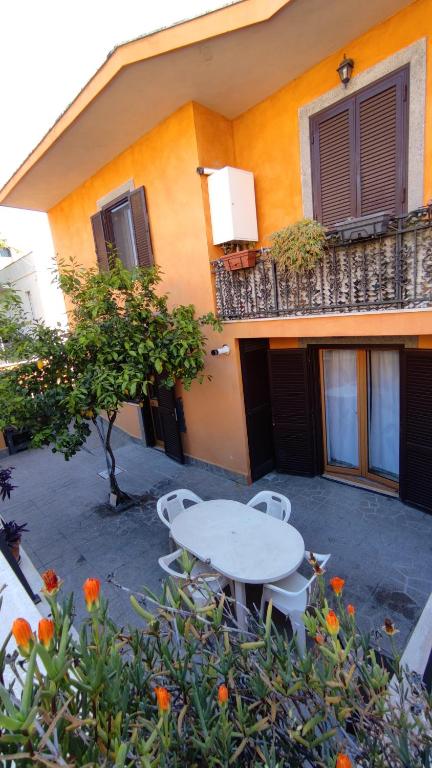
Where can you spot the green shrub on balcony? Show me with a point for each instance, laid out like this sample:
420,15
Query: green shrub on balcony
299,247
186,689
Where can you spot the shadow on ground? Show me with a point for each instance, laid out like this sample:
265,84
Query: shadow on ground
380,546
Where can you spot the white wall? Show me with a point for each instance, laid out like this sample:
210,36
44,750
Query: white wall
30,268
32,277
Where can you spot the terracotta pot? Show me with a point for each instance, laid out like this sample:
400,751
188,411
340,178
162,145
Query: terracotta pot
15,549
240,260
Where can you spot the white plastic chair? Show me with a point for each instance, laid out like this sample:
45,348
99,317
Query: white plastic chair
276,504
211,584
291,596
172,504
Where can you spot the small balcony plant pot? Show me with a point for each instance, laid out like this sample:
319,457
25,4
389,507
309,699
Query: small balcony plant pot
240,260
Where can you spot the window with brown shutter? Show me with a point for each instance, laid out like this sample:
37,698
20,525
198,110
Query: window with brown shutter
359,152
123,227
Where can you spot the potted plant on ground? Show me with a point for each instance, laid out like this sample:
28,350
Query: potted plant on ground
12,533
238,257
299,247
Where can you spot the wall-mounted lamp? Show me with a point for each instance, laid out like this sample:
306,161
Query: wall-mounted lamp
345,69
225,350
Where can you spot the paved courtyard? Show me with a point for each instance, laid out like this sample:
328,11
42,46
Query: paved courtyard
381,547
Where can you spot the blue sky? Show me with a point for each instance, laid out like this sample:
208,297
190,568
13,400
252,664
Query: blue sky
49,49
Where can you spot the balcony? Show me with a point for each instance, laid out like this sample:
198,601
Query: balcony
378,272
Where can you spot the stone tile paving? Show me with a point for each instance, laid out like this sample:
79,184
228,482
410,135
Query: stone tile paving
380,546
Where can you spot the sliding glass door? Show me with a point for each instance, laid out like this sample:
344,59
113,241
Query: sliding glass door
341,407
360,398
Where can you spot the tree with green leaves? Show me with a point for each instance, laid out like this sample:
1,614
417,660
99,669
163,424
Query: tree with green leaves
121,336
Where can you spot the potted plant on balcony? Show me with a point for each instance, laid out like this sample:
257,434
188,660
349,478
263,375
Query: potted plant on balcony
236,257
12,533
299,247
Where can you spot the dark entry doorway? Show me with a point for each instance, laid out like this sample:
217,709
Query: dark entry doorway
285,413
161,421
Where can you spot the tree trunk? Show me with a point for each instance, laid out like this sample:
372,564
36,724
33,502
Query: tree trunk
114,486
100,431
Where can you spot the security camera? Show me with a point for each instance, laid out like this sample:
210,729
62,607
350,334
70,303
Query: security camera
225,350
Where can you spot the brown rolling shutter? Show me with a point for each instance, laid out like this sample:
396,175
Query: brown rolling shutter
333,163
292,395
141,227
256,391
381,128
100,241
359,152
168,419
416,428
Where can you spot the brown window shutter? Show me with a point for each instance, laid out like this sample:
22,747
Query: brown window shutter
141,227
100,241
359,152
169,423
333,163
256,391
416,428
293,395
381,131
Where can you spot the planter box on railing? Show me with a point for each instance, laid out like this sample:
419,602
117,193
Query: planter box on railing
240,260
362,227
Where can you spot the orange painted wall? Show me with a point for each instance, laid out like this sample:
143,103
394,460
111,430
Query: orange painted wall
264,140
266,137
164,161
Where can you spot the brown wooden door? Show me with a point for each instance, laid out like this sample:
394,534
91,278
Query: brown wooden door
361,414
416,428
169,424
294,403
161,423
256,392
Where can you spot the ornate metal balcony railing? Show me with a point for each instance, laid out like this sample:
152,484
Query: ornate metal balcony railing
389,271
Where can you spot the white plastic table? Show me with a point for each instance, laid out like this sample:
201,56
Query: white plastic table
241,543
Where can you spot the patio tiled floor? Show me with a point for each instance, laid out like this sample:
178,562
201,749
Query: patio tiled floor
381,547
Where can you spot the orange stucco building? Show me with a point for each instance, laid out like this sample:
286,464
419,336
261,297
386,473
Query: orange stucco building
255,86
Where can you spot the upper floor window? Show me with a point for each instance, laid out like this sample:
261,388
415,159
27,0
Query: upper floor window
359,152
123,225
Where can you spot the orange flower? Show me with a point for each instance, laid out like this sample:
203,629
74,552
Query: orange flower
351,609
163,698
343,761
389,628
46,632
332,622
91,589
319,639
223,694
337,584
51,582
40,364
23,635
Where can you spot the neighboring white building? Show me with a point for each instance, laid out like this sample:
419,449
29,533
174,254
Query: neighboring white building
32,276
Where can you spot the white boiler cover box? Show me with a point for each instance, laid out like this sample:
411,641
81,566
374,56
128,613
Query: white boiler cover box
232,205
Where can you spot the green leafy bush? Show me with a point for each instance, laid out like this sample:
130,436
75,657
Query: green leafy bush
300,246
122,335
187,689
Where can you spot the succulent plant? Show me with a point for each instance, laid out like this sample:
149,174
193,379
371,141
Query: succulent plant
13,531
5,483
